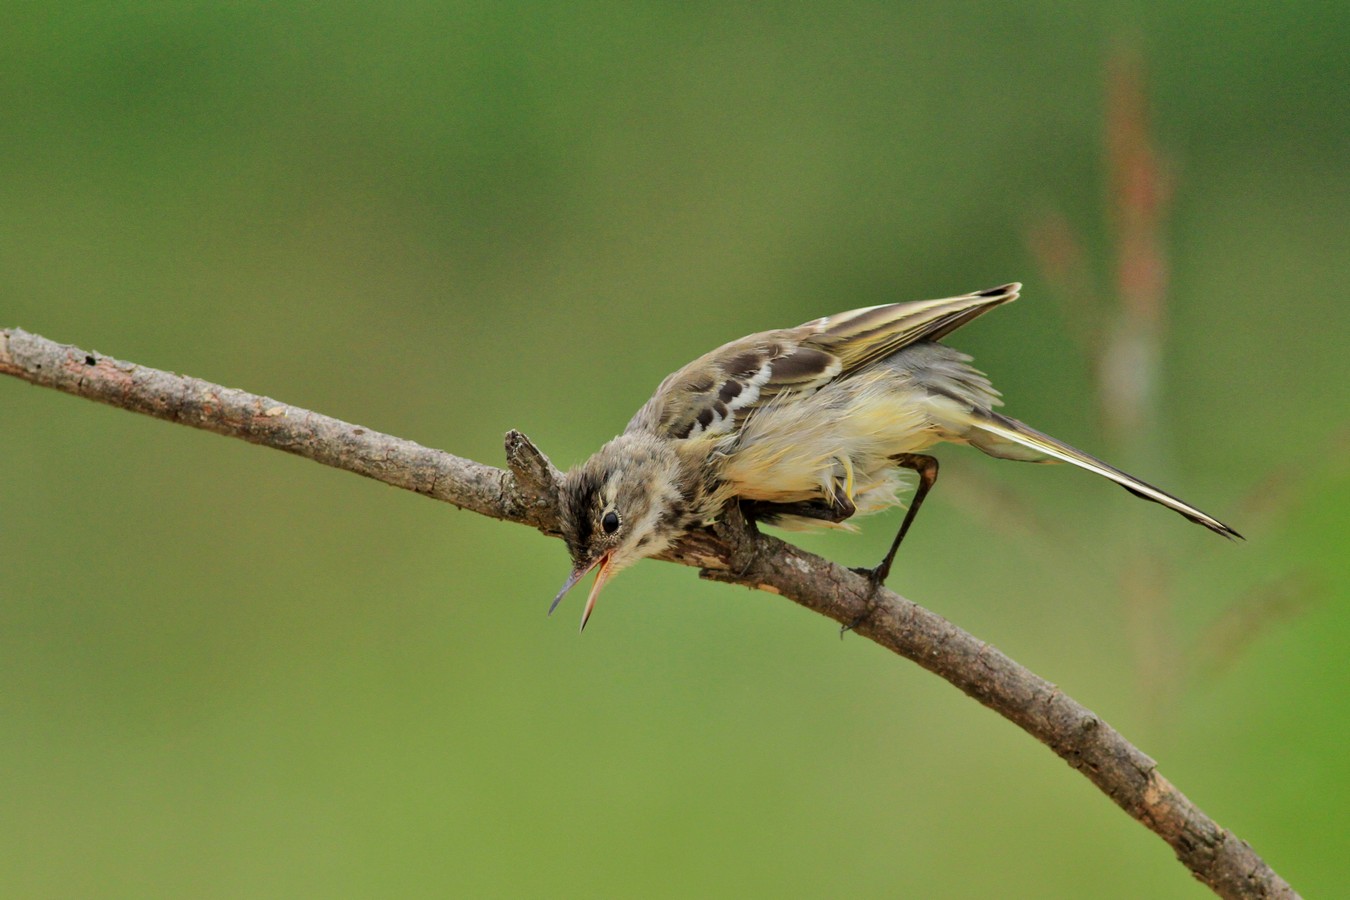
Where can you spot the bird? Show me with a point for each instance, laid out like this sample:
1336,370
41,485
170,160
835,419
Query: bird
806,426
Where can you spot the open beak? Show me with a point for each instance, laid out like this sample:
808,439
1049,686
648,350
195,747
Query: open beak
601,576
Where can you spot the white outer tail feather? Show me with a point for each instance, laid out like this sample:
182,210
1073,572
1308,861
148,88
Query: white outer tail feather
1019,433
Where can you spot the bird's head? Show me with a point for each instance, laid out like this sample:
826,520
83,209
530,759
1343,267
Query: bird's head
623,504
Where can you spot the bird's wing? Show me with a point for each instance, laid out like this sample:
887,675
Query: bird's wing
862,336
718,390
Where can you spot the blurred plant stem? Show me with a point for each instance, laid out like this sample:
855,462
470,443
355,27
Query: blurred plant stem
1122,331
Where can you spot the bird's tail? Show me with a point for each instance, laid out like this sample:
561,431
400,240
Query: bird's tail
1007,438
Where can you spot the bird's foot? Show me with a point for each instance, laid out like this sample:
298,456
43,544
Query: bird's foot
876,576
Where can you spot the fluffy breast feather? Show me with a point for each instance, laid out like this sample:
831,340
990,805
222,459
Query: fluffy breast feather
847,433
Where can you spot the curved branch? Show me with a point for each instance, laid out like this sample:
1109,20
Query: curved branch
732,552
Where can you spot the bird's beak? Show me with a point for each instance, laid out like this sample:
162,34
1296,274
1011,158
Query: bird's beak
602,563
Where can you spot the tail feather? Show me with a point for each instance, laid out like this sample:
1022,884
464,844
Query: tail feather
1024,436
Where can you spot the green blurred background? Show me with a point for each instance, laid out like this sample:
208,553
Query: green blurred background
227,672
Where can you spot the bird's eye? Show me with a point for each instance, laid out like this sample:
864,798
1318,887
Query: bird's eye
610,522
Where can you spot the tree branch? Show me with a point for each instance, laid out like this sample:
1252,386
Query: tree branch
732,552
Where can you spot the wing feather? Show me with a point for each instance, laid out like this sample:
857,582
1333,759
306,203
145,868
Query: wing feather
716,392
866,335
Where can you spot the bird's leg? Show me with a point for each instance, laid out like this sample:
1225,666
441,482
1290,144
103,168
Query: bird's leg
927,467
836,509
